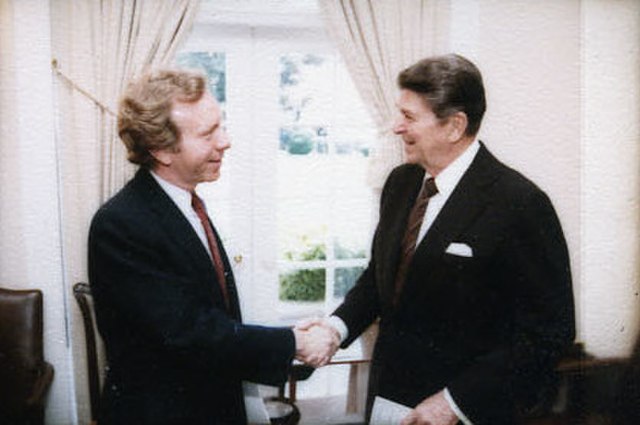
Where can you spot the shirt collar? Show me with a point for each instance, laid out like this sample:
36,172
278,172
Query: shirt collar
180,196
448,178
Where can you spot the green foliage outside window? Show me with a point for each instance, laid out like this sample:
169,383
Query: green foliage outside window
303,285
303,140
311,252
296,142
309,284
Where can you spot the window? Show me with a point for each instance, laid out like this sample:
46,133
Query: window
322,199
213,64
292,205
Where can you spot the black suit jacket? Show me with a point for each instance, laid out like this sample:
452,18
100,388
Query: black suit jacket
175,355
488,327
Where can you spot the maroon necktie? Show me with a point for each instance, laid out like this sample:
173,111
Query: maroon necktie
411,233
199,208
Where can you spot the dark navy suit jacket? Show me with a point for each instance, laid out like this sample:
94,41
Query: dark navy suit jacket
488,327
175,355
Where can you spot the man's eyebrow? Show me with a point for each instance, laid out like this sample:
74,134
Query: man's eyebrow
406,111
209,130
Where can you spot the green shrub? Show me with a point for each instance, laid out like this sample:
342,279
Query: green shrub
303,285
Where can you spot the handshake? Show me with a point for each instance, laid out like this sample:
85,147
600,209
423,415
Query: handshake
316,341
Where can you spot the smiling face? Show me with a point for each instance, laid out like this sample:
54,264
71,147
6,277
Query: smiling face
429,141
423,133
202,141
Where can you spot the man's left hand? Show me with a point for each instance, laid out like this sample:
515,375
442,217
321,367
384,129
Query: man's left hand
434,410
316,342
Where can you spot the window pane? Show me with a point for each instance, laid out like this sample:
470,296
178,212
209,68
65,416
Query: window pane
323,202
303,140
345,279
352,141
352,202
213,64
302,205
348,251
302,220
305,86
304,247
303,285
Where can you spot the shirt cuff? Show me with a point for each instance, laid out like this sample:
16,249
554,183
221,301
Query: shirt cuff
454,407
340,326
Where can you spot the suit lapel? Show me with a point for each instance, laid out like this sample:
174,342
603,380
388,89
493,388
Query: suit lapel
171,218
468,200
174,223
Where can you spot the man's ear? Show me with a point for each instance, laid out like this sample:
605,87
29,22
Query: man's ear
162,156
458,123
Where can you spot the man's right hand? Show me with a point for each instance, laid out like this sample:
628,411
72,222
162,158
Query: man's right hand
316,342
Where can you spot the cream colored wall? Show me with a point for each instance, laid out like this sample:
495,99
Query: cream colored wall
610,197
529,55
562,83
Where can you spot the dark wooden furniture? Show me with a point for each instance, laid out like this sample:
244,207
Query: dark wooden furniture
82,293
586,391
25,377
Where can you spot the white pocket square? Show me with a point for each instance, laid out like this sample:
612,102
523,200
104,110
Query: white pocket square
461,249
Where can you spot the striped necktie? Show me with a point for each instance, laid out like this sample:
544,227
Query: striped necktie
414,223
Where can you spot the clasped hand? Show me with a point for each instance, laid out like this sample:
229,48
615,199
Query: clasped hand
316,341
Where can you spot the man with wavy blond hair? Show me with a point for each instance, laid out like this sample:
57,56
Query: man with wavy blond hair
165,296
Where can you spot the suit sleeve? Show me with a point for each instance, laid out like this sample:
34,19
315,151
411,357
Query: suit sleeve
362,304
142,293
534,264
360,307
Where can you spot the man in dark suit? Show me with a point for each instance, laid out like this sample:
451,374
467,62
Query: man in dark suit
165,296
474,293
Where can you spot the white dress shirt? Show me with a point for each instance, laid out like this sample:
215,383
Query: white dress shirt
446,182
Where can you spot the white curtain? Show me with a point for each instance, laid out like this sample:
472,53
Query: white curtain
129,37
98,46
377,39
